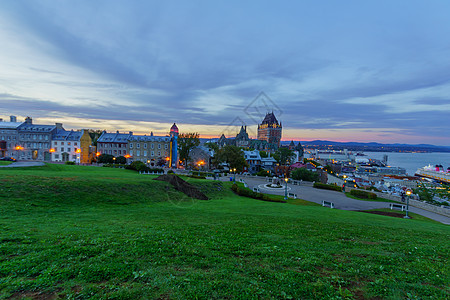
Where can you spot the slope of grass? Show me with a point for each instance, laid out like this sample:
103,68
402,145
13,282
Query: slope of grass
377,199
86,232
5,163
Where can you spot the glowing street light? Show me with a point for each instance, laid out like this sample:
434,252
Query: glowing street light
234,177
408,193
285,190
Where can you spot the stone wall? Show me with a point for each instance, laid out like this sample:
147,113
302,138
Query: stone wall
413,201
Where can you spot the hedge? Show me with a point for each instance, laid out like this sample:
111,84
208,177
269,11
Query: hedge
363,194
324,186
251,194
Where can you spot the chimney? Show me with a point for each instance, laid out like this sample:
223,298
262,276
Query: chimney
12,119
131,132
151,133
1,120
28,120
58,125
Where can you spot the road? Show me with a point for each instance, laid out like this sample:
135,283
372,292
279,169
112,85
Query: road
340,200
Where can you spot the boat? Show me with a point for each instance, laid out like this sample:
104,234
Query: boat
437,173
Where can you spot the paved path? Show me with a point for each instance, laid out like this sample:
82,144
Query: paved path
18,164
340,200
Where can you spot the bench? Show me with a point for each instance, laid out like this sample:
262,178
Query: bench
394,205
329,204
292,195
255,189
241,180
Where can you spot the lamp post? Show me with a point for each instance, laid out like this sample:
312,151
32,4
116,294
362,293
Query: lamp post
114,159
408,193
285,190
234,176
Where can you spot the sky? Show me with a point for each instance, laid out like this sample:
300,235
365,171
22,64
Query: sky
363,71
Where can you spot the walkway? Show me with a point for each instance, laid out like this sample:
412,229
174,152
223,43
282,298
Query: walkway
20,164
340,200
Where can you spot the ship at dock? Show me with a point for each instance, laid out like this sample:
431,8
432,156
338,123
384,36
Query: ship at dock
437,173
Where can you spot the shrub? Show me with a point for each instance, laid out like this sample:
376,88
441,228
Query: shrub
332,187
170,172
69,162
304,174
263,173
363,194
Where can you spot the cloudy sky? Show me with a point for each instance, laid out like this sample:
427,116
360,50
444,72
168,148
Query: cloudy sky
337,70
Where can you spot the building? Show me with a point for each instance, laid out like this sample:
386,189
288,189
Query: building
152,150
253,160
243,140
201,156
9,138
35,140
113,143
270,130
71,146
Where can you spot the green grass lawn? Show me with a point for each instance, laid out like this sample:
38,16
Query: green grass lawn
87,232
5,163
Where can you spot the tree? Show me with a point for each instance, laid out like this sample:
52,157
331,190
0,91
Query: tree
95,134
105,159
304,174
284,156
121,160
186,142
263,154
212,146
231,155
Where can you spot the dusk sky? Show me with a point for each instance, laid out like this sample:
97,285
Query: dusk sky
368,71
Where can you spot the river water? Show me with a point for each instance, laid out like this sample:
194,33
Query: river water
412,161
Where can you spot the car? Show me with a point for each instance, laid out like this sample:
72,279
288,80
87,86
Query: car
8,159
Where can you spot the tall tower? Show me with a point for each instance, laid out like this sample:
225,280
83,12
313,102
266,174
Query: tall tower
173,146
270,130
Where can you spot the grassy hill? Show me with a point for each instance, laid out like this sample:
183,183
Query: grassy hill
86,232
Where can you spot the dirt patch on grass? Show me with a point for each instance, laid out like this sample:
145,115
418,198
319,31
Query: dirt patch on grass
384,213
182,186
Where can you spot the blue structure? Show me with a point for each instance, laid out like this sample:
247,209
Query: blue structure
174,146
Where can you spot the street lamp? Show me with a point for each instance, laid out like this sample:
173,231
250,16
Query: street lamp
408,193
114,159
234,177
285,190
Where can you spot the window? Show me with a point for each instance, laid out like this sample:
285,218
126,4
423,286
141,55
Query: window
131,146
76,144
131,152
62,143
40,137
68,143
74,157
159,153
145,146
34,136
138,152
153,153
68,149
159,146
55,143
40,145
46,137
145,152
56,156
152,146
62,149
138,145
166,146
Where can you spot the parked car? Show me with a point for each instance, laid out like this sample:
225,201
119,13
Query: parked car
8,159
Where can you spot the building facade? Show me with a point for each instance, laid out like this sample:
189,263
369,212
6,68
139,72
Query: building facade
35,140
270,130
115,144
9,138
71,146
152,150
